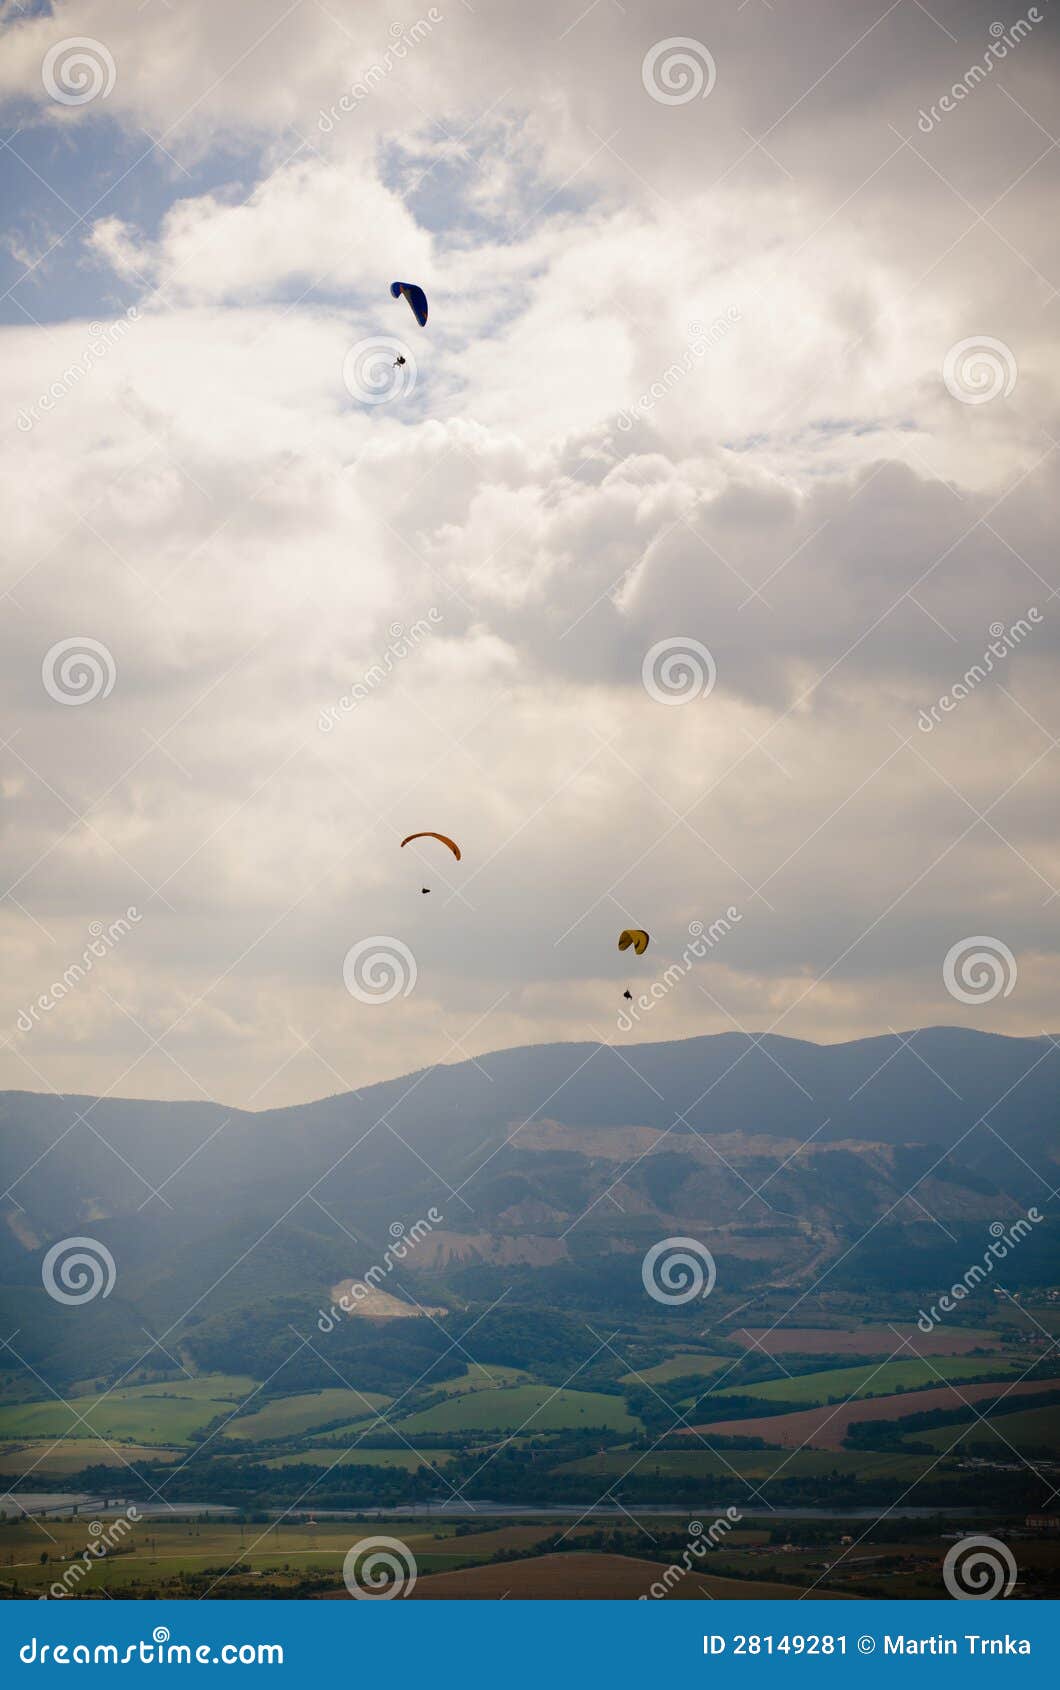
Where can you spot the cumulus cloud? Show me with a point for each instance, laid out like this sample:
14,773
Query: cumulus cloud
768,372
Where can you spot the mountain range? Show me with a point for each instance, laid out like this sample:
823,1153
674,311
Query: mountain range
542,1173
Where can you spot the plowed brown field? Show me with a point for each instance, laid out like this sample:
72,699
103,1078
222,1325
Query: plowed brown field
825,1428
600,1577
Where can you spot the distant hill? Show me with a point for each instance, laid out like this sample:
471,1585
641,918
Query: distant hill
552,1168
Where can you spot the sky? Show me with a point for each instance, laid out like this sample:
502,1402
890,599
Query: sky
695,572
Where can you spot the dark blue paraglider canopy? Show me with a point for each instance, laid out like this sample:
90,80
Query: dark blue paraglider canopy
416,297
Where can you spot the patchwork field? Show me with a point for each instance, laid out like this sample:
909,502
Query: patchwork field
146,1414
285,1417
757,1465
528,1408
161,1550
577,1575
1034,1428
407,1459
825,1428
870,1379
868,1340
683,1365
304,1557
479,1378
55,1460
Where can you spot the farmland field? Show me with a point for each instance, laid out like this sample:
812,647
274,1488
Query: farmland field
870,1379
47,1457
532,1408
683,1365
1034,1428
407,1459
303,1557
285,1417
161,1550
147,1414
604,1577
479,1378
825,1428
866,1340
757,1465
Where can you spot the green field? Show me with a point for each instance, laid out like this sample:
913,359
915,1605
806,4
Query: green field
684,1365
756,1465
360,1457
480,1378
285,1417
148,1414
529,1408
1032,1428
55,1460
870,1380
161,1550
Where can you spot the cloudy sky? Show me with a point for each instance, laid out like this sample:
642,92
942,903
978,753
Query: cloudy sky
653,576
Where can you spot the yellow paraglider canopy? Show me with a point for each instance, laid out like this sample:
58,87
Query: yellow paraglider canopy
453,846
634,936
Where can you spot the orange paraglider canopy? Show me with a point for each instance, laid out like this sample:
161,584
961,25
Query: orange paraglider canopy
453,846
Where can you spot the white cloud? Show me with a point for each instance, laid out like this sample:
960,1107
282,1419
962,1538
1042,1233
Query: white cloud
800,492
